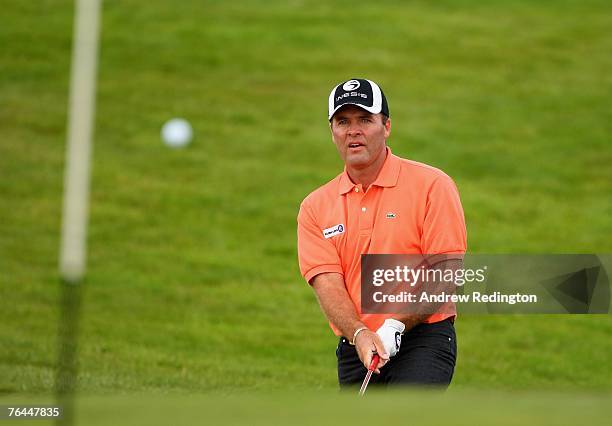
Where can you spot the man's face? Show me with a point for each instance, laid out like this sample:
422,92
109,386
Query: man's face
359,136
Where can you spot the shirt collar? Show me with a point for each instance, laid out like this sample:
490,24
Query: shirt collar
387,177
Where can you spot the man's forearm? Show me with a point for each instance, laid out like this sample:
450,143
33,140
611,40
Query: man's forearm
411,320
414,319
336,303
340,311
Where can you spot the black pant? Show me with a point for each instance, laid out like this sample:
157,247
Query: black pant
426,357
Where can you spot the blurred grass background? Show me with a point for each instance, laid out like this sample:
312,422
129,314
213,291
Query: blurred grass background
193,283
331,408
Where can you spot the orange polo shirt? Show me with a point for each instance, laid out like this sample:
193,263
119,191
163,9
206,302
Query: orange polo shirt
411,208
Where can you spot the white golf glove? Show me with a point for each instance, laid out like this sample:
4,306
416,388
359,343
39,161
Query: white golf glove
391,335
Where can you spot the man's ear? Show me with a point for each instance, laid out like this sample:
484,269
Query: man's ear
387,128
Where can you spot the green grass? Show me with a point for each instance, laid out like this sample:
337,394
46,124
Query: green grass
193,285
330,408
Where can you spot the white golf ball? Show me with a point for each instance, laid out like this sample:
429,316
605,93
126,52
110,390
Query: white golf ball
176,132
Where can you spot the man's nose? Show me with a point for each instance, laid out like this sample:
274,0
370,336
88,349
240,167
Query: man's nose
354,129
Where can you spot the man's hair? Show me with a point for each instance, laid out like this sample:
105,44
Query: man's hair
384,119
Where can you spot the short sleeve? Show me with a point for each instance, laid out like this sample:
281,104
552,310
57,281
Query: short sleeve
316,254
444,225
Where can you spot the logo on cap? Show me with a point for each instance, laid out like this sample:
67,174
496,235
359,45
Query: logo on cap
351,85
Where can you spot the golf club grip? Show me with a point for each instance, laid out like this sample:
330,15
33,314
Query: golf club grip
374,362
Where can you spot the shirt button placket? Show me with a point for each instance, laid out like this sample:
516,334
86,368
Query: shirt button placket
365,220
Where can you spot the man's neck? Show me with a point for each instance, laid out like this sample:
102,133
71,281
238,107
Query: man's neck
367,175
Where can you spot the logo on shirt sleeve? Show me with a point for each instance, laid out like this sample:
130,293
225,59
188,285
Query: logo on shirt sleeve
334,230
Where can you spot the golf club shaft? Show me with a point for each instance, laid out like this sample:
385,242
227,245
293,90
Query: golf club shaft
368,376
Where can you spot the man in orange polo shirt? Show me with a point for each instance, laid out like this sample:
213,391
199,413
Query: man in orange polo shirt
379,204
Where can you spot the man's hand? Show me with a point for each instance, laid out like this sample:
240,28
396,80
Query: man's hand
367,344
390,334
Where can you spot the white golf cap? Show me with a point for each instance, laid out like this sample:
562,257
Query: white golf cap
360,92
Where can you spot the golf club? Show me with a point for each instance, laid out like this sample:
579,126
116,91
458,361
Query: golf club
371,369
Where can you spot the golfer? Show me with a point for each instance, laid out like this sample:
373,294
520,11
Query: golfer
379,204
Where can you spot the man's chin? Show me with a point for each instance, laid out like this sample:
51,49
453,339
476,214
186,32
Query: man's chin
357,161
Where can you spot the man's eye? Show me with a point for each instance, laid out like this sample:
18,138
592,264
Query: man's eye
365,120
